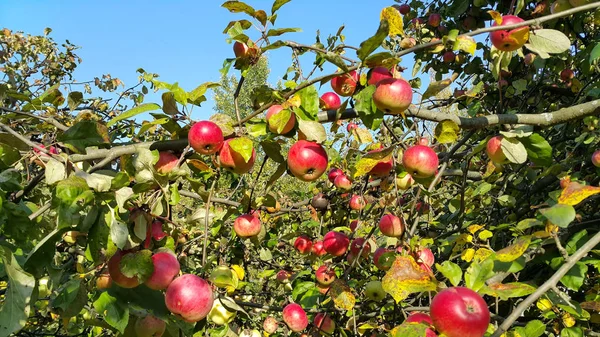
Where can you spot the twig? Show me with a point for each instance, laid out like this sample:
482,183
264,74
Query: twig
255,182
207,209
40,211
50,120
560,247
236,95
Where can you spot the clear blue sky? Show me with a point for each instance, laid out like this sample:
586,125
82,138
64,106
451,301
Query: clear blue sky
180,40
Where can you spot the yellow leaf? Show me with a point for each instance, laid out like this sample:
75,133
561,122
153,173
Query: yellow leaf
446,131
485,234
467,254
405,277
239,271
576,85
474,228
568,320
437,48
496,17
294,101
464,238
342,295
514,251
362,135
394,20
544,304
482,254
436,87
466,44
575,193
368,161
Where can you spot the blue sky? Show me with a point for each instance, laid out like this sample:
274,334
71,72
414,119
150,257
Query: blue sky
180,40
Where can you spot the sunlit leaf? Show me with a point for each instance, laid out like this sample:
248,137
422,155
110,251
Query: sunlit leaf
406,277
508,290
514,251
394,19
368,161
342,295
575,193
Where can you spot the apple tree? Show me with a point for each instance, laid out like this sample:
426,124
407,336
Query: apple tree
438,179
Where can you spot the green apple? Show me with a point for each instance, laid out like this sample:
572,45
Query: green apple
222,276
374,291
220,315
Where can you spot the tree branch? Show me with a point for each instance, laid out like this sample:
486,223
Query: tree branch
50,120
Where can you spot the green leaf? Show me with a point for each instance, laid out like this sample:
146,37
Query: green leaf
595,54
514,150
238,7
549,41
508,290
196,96
412,330
16,302
134,112
115,313
71,298
576,241
281,169
277,4
538,149
8,156
84,134
265,254
336,59
98,236
575,276
138,264
225,122
364,106
301,288
573,331
559,214
534,328
55,171
280,120
457,8
119,232
70,196
74,99
143,297
309,103
451,271
371,44
435,88
314,131
447,131
273,150
243,146
281,31
478,273
169,104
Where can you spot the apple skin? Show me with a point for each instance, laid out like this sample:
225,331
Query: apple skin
393,95
336,243
502,40
419,317
382,168
270,325
529,58
166,268
408,42
157,231
374,291
166,162
404,9
377,74
283,276
596,158
303,244
357,202
205,137
150,326
405,182
353,225
274,110
246,225
566,75
234,161
425,256
115,272
345,84
318,249
330,101
494,150
189,296
295,317
342,182
459,312
434,20
324,324
391,225
356,245
420,161
351,126
333,173
325,275
103,281
320,202
240,49
307,160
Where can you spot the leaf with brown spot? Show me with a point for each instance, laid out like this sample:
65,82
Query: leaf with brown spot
575,193
513,251
199,164
508,290
342,295
405,277
591,305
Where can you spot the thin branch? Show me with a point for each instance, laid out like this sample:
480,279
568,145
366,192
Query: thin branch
236,95
50,120
207,209
295,45
40,211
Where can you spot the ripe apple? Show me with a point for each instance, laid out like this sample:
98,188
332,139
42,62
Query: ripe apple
408,42
166,268
330,101
494,150
420,161
391,225
382,258
336,243
596,158
240,49
103,281
405,182
419,317
422,207
157,231
307,160
289,125
434,20
560,6
506,40
220,315
166,162
325,275
234,161
425,256
283,276
382,168
356,246
469,23
189,296
345,84
149,326
270,325
357,202
318,249
393,95
448,57
320,202
303,244
566,75
459,312
205,137
353,225
116,275
374,291
404,9
246,226
342,182
324,324
351,126
333,173
295,317
377,74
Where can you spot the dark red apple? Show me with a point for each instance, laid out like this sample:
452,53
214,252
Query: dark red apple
318,249
205,137
494,150
404,9
330,101
333,173
345,84
150,326
448,57
166,268
283,276
307,160
420,161
514,39
357,202
246,225
353,225
434,20
596,158
356,246
459,312
240,49
422,207
320,202
157,231
295,317
393,95
567,75
324,324
325,275
166,162
391,225
377,74
336,243
342,182
289,125
190,297
303,244
114,268
233,161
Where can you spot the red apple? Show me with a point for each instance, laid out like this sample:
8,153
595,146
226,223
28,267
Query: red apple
380,260
566,75
419,317
408,42
283,276
529,58
404,9
393,95
509,40
320,202
52,150
166,162
353,225
325,275
448,57
342,182
422,207
240,49
345,84
255,213
356,246
391,225
336,243
189,296
318,249
114,268
324,324
357,202
596,158
434,20
289,125
459,93
166,268
295,317
377,74
420,161
351,126
103,281
330,101
234,161
270,325
494,150
424,141
303,244
157,231
246,226
425,256
459,312
150,326
333,173
382,168
307,160
205,137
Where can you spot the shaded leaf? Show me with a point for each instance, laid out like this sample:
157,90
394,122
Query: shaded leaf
83,134
74,99
364,165
575,277
342,295
273,150
16,302
238,7
169,104
549,41
115,313
446,131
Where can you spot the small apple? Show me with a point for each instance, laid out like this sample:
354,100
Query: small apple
419,317
566,75
448,57
222,277
283,276
233,161
333,173
393,95
494,150
205,137
420,161
577,3
425,256
166,162
377,74
220,315
405,182
166,268
246,226
514,39
374,291
330,101
318,249
320,202
357,202
404,9
324,324
103,281
596,158
270,325
157,230
336,243
342,182
114,268
307,160
351,126
150,326
469,23
358,244
345,84
434,20
240,49
391,225
408,42
303,244
422,207
295,317
459,312
325,275
353,225
272,115
190,297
